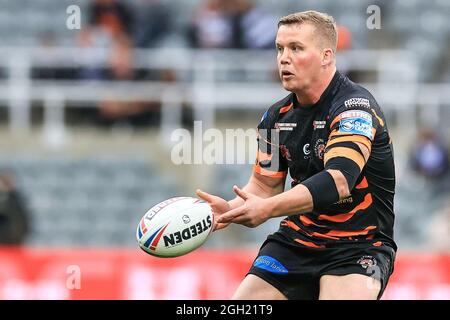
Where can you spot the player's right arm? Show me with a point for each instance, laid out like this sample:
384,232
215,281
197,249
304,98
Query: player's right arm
268,176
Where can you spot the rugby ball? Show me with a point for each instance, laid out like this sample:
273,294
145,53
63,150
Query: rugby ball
175,227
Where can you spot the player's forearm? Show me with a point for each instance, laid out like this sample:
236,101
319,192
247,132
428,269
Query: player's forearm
324,188
296,200
256,188
250,187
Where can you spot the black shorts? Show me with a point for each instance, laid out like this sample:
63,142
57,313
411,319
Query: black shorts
296,271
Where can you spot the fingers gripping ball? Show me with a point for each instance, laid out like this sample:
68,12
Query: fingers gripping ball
175,227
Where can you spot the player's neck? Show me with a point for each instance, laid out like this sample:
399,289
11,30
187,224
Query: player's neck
312,94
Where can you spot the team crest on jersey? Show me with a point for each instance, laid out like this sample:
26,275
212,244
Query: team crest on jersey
319,148
367,261
306,150
356,122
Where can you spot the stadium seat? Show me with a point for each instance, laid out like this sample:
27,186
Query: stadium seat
87,201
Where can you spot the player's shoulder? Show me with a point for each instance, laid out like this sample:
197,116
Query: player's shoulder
272,113
352,96
354,110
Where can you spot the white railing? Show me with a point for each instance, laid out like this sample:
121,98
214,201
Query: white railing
396,87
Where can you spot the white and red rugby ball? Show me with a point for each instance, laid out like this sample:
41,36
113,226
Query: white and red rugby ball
175,227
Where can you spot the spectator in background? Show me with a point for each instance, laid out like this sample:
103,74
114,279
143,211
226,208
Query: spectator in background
110,25
236,24
121,59
252,27
153,22
430,157
113,111
112,16
14,217
211,26
111,28
92,62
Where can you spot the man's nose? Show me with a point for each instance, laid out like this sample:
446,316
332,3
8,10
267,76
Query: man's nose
285,58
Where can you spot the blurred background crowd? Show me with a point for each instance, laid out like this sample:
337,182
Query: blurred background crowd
86,114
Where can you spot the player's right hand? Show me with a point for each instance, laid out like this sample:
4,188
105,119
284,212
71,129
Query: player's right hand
218,206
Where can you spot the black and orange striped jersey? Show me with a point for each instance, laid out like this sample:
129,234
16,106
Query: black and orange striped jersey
301,139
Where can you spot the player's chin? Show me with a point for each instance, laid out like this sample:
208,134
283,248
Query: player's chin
288,85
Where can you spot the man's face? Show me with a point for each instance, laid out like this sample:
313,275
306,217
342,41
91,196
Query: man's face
299,57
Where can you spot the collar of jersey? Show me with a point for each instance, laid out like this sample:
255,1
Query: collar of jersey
323,97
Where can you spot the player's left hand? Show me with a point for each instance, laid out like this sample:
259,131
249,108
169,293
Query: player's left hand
251,214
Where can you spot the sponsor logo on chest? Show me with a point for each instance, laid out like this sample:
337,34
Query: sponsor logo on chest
318,124
285,126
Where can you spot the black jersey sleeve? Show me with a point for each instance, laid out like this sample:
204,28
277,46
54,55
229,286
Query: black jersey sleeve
355,116
269,160
354,121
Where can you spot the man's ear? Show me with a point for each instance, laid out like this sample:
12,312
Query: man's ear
327,56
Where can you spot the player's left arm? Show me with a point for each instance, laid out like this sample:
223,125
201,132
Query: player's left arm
346,153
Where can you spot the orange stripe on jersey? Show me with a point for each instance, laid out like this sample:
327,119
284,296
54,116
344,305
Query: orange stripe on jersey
351,154
335,133
352,138
268,173
379,119
324,236
295,227
378,244
340,233
290,224
307,222
286,108
347,216
309,244
337,119
363,184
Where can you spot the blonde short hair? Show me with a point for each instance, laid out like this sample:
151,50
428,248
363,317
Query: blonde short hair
324,24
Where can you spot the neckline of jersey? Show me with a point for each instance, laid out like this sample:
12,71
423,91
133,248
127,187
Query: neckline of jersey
308,109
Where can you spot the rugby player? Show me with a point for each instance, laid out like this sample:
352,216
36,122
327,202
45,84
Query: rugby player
336,241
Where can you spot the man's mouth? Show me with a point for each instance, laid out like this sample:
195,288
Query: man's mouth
286,73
